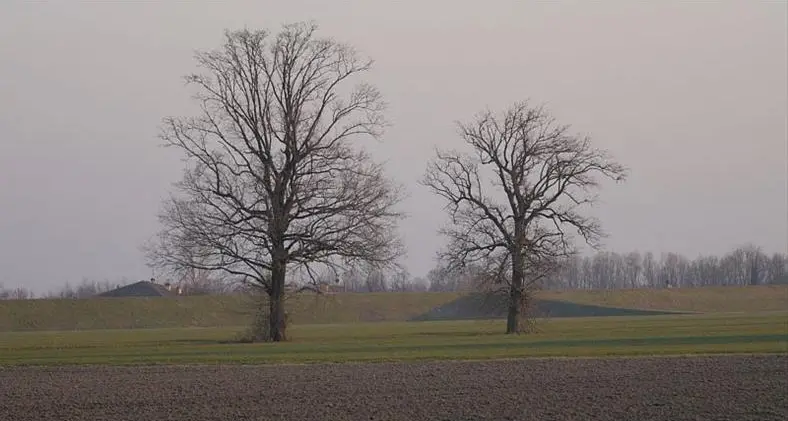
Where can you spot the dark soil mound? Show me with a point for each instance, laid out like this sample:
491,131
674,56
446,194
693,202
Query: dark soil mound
483,306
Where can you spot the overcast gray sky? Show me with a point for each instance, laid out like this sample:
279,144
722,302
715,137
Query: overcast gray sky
691,96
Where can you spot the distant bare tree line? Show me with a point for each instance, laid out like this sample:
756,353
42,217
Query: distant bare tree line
746,265
86,289
15,293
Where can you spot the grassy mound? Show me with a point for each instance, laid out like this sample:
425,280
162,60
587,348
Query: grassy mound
479,306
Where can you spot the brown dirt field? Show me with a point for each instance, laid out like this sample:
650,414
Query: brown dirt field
692,388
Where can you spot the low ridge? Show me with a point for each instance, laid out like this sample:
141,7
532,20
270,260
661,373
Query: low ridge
485,306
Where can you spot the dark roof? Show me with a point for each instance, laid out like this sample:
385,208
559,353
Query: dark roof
139,289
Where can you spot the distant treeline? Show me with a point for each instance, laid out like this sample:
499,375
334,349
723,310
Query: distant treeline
87,288
747,265
743,266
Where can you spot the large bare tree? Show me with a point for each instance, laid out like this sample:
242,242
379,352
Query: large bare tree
276,184
517,199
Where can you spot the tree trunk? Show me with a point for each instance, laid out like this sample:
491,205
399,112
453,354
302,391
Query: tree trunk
515,295
277,324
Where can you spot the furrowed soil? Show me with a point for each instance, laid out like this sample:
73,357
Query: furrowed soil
667,388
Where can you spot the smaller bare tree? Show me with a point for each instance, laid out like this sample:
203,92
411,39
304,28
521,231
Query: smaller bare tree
517,198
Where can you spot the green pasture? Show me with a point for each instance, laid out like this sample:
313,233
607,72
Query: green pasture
765,332
209,311
307,309
751,298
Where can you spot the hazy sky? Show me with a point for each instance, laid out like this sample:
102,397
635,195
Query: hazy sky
691,96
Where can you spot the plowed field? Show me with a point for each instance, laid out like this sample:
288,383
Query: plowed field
677,388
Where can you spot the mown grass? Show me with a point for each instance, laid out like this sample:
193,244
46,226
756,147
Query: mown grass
209,311
701,299
408,341
226,311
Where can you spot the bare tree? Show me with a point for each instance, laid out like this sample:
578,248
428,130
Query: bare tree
276,185
778,269
440,280
353,280
610,270
757,263
515,200
195,281
16,293
633,269
375,279
87,288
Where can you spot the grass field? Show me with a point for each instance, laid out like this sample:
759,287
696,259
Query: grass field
702,300
228,311
208,311
392,341
340,328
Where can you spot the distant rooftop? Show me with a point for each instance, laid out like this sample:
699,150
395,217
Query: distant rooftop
139,289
